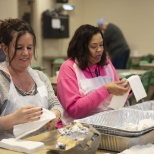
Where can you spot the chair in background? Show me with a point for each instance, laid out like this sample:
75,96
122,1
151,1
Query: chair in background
148,57
39,69
130,64
152,87
135,63
146,80
56,65
142,62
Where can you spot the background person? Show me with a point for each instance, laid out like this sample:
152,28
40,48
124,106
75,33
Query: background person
2,55
115,43
23,91
87,79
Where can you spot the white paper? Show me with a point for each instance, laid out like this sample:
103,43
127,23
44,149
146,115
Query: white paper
119,101
22,130
137,88
21,145
55,23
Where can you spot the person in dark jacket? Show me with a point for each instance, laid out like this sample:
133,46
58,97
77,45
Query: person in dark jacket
2,55
115,43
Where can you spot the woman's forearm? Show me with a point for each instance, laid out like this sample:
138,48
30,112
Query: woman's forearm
7,122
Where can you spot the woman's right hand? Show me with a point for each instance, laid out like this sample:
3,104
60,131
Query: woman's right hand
116,88
23,115
27,114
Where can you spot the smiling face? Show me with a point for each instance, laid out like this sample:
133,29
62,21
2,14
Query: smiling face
24,51
96,49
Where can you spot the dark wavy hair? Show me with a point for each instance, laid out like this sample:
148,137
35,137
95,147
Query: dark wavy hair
10,26
78,46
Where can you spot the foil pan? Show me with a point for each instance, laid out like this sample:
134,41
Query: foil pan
113,137
145,106
119,144
112,122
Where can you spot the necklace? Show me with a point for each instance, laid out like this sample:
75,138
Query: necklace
97,71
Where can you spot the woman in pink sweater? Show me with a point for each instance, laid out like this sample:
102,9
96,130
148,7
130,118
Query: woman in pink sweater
87,80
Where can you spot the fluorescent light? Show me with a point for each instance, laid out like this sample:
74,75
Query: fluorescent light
68,7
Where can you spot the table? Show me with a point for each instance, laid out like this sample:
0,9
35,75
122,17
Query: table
49,61
121,74
53,80
136,58
48,139
124,72
147,66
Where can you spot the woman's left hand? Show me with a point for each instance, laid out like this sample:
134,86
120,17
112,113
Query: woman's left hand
51,124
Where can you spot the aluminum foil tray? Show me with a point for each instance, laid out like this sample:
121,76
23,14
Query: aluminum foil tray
119,144
112,122
145,106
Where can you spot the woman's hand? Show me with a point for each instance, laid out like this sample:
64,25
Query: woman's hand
23,115
118,87
27,114
50,125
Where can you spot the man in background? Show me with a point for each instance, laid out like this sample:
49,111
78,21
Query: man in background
115,44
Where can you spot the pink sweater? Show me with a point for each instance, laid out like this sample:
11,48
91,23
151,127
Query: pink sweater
68,92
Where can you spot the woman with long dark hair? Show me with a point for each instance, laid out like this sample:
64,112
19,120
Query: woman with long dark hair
87,80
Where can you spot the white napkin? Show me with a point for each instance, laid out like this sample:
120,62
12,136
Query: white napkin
137,88
22,130
140,149
21,145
